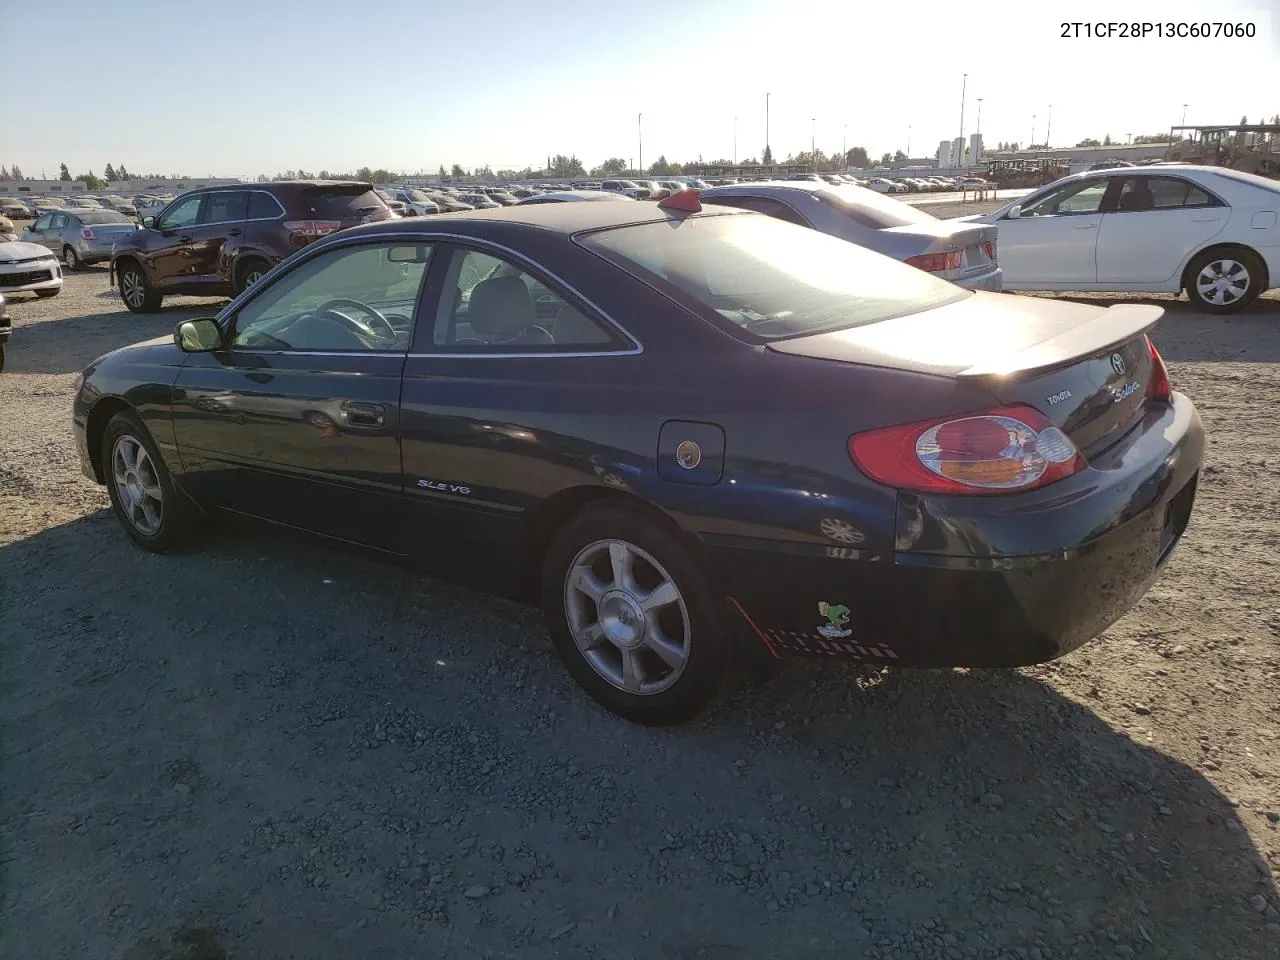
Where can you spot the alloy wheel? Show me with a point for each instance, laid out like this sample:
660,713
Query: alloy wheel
137,485
1222,282
132,288
627,617
70,259
252,277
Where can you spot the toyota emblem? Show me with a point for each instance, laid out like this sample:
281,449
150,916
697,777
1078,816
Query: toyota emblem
1117,364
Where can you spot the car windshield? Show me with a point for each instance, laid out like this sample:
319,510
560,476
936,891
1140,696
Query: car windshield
770,278
872,209
102,216
417,196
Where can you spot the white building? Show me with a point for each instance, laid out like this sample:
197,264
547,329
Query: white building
957,152
944,155
975,148
126,188
65,188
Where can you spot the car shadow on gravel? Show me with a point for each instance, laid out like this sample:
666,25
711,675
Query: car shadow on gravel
69,344
319,754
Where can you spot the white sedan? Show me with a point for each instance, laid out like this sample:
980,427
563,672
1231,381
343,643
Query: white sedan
1211,231
29,267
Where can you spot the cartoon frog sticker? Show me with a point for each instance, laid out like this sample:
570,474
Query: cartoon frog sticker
837,615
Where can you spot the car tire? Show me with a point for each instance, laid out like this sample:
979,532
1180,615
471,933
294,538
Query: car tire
154,513
1,358
70,259
1224,280
610,644
250,272
46,294
136,291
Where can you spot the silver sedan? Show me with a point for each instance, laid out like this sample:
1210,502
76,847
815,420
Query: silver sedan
963,253
78,235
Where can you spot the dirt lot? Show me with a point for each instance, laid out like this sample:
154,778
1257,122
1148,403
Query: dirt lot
273,748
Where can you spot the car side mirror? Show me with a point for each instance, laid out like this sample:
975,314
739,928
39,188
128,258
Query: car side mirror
1014,212
198,336
149,221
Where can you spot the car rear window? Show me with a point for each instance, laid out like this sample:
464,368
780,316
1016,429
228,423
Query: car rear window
769,278
341,203
872,209
102,216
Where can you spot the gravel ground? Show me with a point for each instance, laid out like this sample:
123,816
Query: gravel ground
273,748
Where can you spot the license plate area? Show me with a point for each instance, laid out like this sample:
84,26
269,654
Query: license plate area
1176,515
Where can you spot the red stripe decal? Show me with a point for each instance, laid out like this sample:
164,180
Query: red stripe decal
759,633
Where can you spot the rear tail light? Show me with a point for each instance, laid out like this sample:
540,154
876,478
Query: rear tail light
1158,386
936,262
990,247
992,451
86,233
312,228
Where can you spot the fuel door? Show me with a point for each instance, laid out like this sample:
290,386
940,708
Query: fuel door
691,452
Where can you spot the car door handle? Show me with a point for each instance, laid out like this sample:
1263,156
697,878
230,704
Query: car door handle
1205,219
233,233
366,414
1084,226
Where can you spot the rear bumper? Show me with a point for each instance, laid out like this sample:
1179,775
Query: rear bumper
992,280
987,582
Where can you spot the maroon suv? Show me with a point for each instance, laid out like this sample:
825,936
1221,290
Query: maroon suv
217,241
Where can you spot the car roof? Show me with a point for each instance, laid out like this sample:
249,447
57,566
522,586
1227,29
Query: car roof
565,219
803,186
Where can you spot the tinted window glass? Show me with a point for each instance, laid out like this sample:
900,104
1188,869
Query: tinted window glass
263,206
102,216
225,206
296,312
182,214
771,278
872,209
490,304
342,203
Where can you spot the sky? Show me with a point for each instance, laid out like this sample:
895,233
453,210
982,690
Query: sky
242,88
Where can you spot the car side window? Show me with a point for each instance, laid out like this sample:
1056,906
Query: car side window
491,305
352,299
43,223
1162,193
263,206
183,213
767,205
225,206
59,221
1083,196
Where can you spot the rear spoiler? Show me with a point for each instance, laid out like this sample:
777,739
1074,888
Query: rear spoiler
1116,325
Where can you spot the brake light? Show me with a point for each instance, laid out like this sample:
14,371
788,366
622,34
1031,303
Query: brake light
86,233
992,451
1158,386
936,262
682,201
990,247
312,228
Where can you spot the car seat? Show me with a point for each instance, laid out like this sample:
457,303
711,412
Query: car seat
502,311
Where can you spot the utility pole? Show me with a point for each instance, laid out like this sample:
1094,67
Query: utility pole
640,139
766,124
1184,116
813,149
1033,132
908,140
844,147
735,141
1047,127
963,85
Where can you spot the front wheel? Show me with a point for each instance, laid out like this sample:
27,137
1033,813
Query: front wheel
70,259
136,291
633,617
1224,281
154,513
46,294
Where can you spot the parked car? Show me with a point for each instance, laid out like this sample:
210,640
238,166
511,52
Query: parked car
415,202
963,253
626,187
1211,231
218,241
120,205
14,209
29,268
8,232
83,203
397,206
998,481
449,203
570,196
673,186
80,236
6,329
503,198
478,201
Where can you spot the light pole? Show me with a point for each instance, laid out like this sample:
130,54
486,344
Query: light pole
1128,138
908,140
1184,116
963,84
844,147
1048,125
640,140
813,141
979,130
735,141
766,125
1033,132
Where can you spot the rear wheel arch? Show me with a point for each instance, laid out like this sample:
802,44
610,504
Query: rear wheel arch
96,427
1223,248
560,509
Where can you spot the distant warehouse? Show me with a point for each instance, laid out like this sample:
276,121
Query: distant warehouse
125,187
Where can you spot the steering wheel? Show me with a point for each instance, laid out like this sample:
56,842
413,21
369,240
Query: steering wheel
386,332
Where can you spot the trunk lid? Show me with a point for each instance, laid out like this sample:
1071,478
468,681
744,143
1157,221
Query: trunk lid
1086,368
976,243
